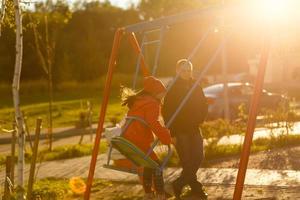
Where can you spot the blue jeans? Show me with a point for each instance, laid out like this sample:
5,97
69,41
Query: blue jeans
189,146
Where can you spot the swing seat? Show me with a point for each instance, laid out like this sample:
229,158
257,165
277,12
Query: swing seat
133,153
124,165
121,169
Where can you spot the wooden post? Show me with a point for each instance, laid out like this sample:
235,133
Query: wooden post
7,186
81,125
27,131
13,152
86,122
106,93
34,157
90,119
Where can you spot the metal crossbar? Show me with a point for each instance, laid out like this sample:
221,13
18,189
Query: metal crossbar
161,35
157,53
138,64
171,20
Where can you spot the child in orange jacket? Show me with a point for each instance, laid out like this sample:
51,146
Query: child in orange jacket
146,105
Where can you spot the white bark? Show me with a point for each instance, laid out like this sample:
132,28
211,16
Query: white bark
2,14
16,98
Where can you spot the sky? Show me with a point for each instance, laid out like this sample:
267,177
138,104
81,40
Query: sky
120,3
123,3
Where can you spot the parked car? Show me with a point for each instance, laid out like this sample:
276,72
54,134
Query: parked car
238,93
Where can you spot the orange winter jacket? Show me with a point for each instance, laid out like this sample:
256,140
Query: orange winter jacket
147,108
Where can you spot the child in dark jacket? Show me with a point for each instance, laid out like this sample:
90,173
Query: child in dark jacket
146,105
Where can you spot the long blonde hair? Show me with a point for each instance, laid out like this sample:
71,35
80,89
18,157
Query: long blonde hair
128,96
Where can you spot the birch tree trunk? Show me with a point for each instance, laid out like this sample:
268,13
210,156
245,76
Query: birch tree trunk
2,14
16,98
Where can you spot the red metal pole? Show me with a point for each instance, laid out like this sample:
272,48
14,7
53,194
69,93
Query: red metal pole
112,63
252,120
134,43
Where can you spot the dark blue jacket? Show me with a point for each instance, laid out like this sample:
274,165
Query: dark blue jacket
193,112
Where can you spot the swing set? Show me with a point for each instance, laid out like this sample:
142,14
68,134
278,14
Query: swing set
131,152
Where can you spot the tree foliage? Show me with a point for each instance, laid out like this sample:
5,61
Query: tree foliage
81,39
158,8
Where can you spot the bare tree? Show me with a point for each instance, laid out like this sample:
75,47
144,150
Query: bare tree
16,98
49,53
46,62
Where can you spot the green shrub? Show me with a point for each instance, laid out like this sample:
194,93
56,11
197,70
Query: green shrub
50,189
72,151
281,117
284,140
261,141
61,152
67,152
214,151
2,160
174,159
68,97
219,128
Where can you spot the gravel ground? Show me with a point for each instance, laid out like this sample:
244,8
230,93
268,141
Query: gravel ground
279,159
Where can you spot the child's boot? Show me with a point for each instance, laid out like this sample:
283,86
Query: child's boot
177,188
160,197
199,191
148,196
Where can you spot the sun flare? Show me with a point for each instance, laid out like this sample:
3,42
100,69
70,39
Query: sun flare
275,9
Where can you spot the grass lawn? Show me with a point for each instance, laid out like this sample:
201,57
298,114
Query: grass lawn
67,189
69,100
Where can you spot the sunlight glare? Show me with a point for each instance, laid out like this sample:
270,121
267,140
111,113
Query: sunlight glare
274,10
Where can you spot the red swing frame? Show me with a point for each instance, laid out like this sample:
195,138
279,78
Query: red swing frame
112,63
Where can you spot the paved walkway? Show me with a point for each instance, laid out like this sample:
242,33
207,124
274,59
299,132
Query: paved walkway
59,133
226,176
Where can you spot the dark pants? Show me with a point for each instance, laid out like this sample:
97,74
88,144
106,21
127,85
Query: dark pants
153,176
189,146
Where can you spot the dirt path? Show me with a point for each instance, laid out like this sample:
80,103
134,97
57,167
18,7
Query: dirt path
121,191
279,159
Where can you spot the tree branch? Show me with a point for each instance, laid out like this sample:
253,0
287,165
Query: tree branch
37,46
